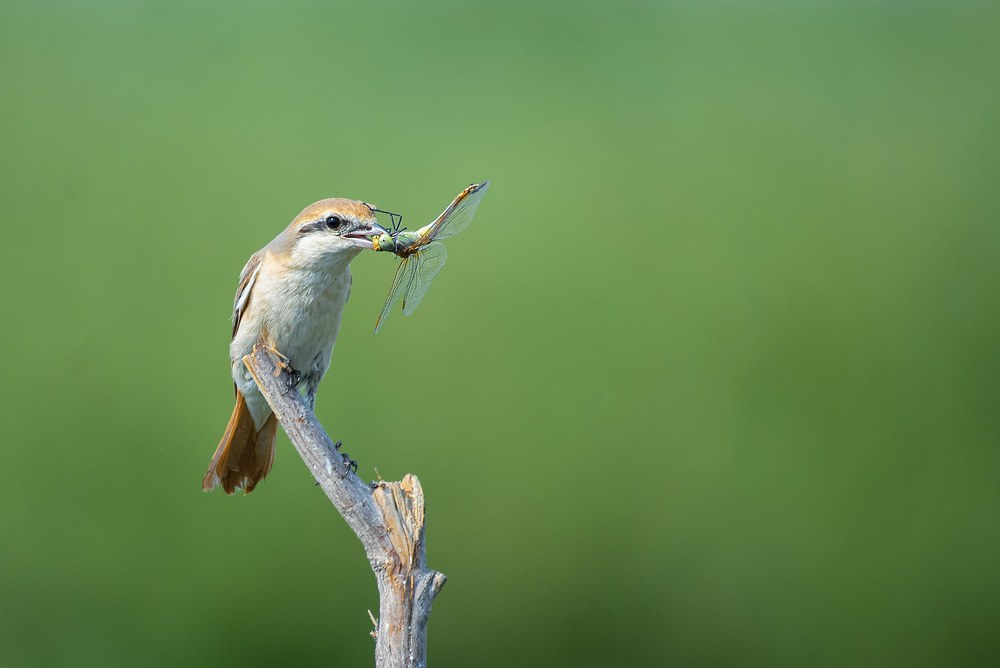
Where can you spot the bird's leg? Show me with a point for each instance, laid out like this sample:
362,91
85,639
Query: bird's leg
310,394
280,361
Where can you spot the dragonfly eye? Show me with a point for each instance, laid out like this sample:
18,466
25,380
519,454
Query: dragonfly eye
333,222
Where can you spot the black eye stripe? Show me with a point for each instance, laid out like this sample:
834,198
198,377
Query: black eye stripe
328,223
312,227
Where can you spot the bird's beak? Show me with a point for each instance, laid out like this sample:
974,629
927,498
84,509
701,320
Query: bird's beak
359,237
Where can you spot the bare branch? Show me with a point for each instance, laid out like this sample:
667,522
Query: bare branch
388,517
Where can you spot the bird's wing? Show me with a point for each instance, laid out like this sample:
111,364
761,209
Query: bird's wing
247,278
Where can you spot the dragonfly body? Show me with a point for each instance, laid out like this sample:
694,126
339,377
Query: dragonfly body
422,253
403,244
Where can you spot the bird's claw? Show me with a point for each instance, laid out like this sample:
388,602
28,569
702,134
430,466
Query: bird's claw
348,462
281,363
292,378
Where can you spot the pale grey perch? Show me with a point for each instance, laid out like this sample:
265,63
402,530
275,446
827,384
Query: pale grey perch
388,517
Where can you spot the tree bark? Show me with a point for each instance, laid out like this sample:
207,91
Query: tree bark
388,518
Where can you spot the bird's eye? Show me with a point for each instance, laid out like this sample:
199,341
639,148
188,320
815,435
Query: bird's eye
333,222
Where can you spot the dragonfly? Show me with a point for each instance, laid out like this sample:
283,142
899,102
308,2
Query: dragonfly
422,252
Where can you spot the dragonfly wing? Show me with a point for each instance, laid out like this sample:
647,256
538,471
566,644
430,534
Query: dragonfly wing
459,213
430,260
404,276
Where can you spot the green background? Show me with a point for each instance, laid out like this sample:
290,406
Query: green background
711,380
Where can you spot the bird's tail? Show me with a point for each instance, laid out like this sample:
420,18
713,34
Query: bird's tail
245,454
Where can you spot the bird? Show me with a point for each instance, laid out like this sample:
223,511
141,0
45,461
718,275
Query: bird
290,298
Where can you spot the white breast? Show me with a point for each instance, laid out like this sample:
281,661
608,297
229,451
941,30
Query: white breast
298,312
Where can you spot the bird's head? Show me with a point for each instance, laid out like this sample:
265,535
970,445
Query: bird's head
331,230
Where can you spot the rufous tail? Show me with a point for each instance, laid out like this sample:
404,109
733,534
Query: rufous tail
245,454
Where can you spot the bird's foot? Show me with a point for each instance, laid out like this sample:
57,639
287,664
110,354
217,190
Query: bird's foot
292,378
348,462
282,364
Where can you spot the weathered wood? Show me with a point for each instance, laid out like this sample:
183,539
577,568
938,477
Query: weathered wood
388,518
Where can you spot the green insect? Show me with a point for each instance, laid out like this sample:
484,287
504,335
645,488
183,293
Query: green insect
422,252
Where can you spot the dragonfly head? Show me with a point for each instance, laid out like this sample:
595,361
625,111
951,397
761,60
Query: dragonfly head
384,242
363,235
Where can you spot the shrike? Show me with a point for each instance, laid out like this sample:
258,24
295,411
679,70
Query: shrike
290,298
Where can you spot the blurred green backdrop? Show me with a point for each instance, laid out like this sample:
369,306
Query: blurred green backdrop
712,379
